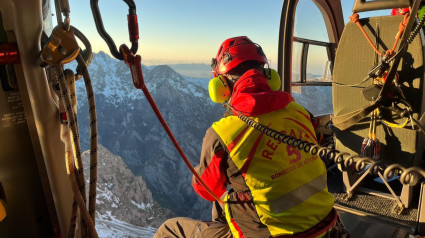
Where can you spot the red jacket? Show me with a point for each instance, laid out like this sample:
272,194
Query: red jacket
252,96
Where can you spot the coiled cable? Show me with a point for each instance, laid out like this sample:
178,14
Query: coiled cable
408,176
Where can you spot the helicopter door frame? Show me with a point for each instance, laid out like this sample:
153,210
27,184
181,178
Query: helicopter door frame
333,17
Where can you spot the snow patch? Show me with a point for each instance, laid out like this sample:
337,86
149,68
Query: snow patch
112,227
142,206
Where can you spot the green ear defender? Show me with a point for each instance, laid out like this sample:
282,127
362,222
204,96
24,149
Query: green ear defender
273,78
219,89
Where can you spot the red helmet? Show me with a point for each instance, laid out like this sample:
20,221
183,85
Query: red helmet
235,51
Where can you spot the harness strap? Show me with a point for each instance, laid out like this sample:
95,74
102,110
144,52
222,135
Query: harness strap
347,120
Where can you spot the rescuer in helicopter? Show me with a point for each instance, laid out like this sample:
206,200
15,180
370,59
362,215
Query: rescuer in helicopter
276,189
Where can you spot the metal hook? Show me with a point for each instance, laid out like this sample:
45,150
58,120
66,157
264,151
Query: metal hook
133,28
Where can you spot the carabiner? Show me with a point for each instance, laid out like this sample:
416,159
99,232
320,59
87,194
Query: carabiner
133,28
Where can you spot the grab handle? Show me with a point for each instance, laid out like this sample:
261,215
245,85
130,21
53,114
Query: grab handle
371,5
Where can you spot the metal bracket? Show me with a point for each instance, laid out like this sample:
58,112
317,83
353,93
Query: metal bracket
61,47
398,209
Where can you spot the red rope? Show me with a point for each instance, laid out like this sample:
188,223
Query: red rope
134,63
176,144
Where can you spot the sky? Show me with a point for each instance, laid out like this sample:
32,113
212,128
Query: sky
191,31
184,31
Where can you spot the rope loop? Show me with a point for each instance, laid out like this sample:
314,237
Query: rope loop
403,24
391,52
354,18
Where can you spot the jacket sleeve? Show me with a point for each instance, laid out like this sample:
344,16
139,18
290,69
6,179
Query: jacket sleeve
212,167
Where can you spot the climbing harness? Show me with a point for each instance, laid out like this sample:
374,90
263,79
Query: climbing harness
61,48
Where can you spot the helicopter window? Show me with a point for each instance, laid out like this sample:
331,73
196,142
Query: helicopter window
320,63
296,61
311,60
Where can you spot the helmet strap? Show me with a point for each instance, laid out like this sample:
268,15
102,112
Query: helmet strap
231,80
269,76
232,77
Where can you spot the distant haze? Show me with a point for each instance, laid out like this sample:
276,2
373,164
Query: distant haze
200,71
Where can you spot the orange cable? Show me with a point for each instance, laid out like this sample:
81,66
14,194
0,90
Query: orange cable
401,29
355,18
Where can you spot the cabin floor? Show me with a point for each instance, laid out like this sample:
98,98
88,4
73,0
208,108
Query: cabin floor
370,227
365,215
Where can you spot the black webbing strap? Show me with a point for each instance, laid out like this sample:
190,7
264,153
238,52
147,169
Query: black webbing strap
350,119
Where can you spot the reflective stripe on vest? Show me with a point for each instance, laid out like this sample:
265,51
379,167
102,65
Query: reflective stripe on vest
299,195
288,185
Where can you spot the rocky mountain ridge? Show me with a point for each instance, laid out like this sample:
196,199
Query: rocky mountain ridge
128,127
121,195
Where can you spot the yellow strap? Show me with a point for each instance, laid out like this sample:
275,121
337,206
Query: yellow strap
229,219
394,125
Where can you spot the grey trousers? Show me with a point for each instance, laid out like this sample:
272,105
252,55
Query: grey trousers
183,227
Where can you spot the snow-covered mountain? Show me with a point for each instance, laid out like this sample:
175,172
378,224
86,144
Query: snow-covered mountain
316,99
128,127
125,207
121,195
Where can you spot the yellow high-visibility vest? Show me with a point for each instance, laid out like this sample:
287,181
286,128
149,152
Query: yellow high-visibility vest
288,186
